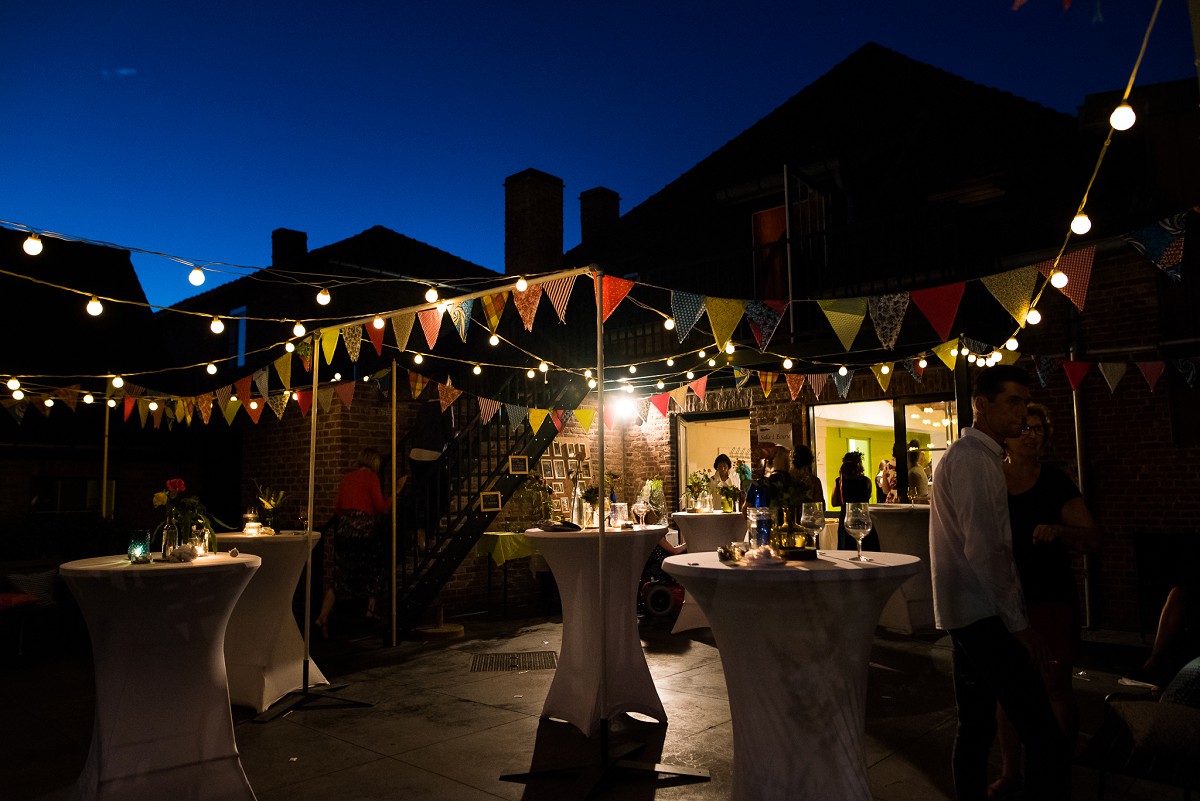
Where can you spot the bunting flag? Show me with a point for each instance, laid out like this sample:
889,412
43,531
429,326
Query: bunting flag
516,414
68,395
537,417
134,389
939,304
325,398
402,326
679,395
1077,266
816,382
527,304
304,351
329,339
557,417
764,317
352,336
585,417
431,323
416,383
882,375
887,315
615,290
559,292
447,395
767,382
978,347
1013,290
181,411
846,316
686,308
278,404
948,353
230,411
698,386
1186,368
261,381
723,315
1113,372
842,382
460,315
304,400
222,395
487,409
662,402
493,308
283,369
16,408
1045,366
1151,371
156,415
345,392
204,404
914,369
255,409
376,335
241,388
740,377
1162,243
795,383
1075,371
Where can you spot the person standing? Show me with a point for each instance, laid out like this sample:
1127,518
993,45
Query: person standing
725,477
852,486
977,598
431,435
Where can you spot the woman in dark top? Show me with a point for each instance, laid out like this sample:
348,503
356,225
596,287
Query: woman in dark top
1050,524
852,486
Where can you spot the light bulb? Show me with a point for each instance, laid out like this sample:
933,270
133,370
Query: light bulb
670,362
289,347
669,323
522,284
843,371
323,297
33,245
701,354
1012,344
112,404
154,406
963,350
953,352
591,383
884,370
377,322
660,384
18,394
729,347
89,398
493,340
431,295
14,383
253,404
971,358
1034,317
477,370
118,382
94,306
1058,280
530,373
48,402
922,363
366,379
196,276
915,416
298,330
690,375
543,367
633,368
629,387
233,398
587,373
712,362
216,325
1122,117
337,376
787,364
211,369
926,421
1081,224
418,358
927,409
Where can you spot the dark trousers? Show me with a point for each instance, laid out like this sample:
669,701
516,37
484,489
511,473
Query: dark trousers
990,666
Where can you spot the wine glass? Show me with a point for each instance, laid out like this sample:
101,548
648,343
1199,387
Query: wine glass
812,518
858,523
640,508
912,496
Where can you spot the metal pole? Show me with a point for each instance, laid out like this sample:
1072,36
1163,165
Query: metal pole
599,279
312,480
395,499
104,468
1087,558
787,232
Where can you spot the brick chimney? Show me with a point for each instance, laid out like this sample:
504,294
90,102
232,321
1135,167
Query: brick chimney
599,210
533,222
288,247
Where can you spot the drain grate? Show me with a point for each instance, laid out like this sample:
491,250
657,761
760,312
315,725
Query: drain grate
528,660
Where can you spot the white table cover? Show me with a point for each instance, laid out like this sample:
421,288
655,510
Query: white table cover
163,729
264,650
574,694
703,533
795,642
904,528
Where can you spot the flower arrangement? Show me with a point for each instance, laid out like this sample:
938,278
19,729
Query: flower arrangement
591,494
730,493
652,494
186,510
270,500
697,482
543,495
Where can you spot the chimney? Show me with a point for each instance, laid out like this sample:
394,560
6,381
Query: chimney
288,247
599,210
533,223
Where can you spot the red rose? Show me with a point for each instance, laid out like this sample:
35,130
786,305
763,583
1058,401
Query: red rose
176,485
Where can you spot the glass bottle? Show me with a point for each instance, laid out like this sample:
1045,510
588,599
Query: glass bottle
170,535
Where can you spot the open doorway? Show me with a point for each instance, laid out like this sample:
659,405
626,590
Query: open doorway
702,438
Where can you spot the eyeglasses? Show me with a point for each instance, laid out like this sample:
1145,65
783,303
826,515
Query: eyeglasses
1039,430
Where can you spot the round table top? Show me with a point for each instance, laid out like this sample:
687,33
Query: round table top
886,508
829,566
704,515
105,566
235,537
593,533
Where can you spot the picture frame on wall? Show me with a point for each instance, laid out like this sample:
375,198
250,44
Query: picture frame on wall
570,450
547,467
585,468
581,451
557,487
490,502
560,468
572,466
557,448
518,465
565,503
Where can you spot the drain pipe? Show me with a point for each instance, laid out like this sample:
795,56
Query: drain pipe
1088,559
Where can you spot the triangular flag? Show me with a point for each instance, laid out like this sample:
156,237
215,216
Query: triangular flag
767,381
846,316
883,377
460,316
887,315
615,290
816,382
537,417
527,304
493,308
559,292
283,369
303,400
254,408
431,323
487,409
740,377
261,377
610,417
516,414
1151,371
686,308
329,340
723,315
325,398
764,317
679,395
585,417
1013,289
156,415
242,388
304,351
223,394
352,336
662,402
795,384
915,369
1045,366
698,386
1162,243
134,389
230,411
557,417
1075,371
842,382
204,404
1113,372
947,352
376,335
130,403
1077,266
181,411
68,395
278,404
402,326
447,395
939,304
417,383
345,392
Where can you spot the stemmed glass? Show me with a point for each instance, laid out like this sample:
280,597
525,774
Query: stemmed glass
640,508
812,518
912,496
858,523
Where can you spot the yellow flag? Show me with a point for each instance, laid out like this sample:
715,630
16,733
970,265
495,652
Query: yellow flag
723,316
680,396
585,417
846,316
1014,290
883,378
231,409
329,340
537,417
942,351
283,368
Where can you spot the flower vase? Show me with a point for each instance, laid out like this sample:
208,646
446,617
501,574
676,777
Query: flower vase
783,535
726,504
268,520
170,535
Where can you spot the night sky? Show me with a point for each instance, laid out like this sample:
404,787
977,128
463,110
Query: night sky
195,130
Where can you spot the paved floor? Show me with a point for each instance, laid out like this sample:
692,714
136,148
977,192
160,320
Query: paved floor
437,730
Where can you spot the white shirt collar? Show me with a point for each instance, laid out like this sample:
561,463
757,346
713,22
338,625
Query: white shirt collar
992,445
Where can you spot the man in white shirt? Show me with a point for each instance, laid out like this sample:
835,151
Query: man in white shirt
977,598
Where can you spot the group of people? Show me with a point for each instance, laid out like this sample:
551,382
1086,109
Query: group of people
1003,529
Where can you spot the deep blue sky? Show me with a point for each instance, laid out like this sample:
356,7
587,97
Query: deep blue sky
197,129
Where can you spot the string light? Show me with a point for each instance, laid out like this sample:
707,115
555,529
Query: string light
971,358
289,347
1081,224
690,375
530,373
32,245
633,368
94,306
1058,279
337,376
48,402
196,276
1122,117
629,387
522,284
233,398
787,364
660,384
729,347
884,370
543,367
418,358
842,371
1034,317
712,362
954,352
1012,344
14,383
89,398
323,297
216,325
591,382
254,404
112,403
377,322
493,340
211,369
477,370
701,354
298,330
922,363
118,382
154,406
431,295
669,323
670,362
18,394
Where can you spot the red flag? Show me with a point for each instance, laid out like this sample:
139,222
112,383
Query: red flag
242,388
1151,371
615,289
939,304
254,408
376,335
1077,266
527,303
1075,371
304,400
698,386
345,392
662,402
795,384
130,402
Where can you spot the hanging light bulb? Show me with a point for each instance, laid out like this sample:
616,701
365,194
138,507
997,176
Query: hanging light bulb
289,347
633,368
591,383
842,371
233,398
418,358
690,375
431,295
669,323
493,340
1058,280
254,404
543,367
337,376
377,323
18,394
118,382
963,350
1034,317
298,329
729,347
477,370
922,363
153,406
196,276
953,352
89,398
14,383
216,325
712,362
787,364
1081,224
1012,344
33,245
530,373
366,379
522,284
587,373
884,370
211,369
112,403
48,402
670,362
701,354
660,384
971,358
323,297
94,306
1122,117
629,387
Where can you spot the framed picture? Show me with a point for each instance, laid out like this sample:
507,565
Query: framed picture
585,469
560,468
572,466
557,486
565,504
518,465
557,448
547,468
570,450
490,502
581,451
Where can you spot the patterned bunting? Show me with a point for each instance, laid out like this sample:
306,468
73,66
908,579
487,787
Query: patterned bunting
662,402
304,351
304,400
939,304
431,323
884,378
537,417
68,395
402,326
345,392
740,377
242,388
134,389
846,316
615,290
723,315
686,308
156,415
1077,266
1045,366
557,417
698,386
842,382
278,404
254,410
260,381
1013,290
795,383
352,336
460,316
416,383
1187,369
887,315
764,317
223,394
487,409
1151,371
679,395
816,382
767,382
1113,372
559,292
376,335
204,404
914,369
447,395
527,304
585,417
1162,243
516,413
493,308
181,411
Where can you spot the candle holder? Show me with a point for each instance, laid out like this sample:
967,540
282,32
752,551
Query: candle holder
138,551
